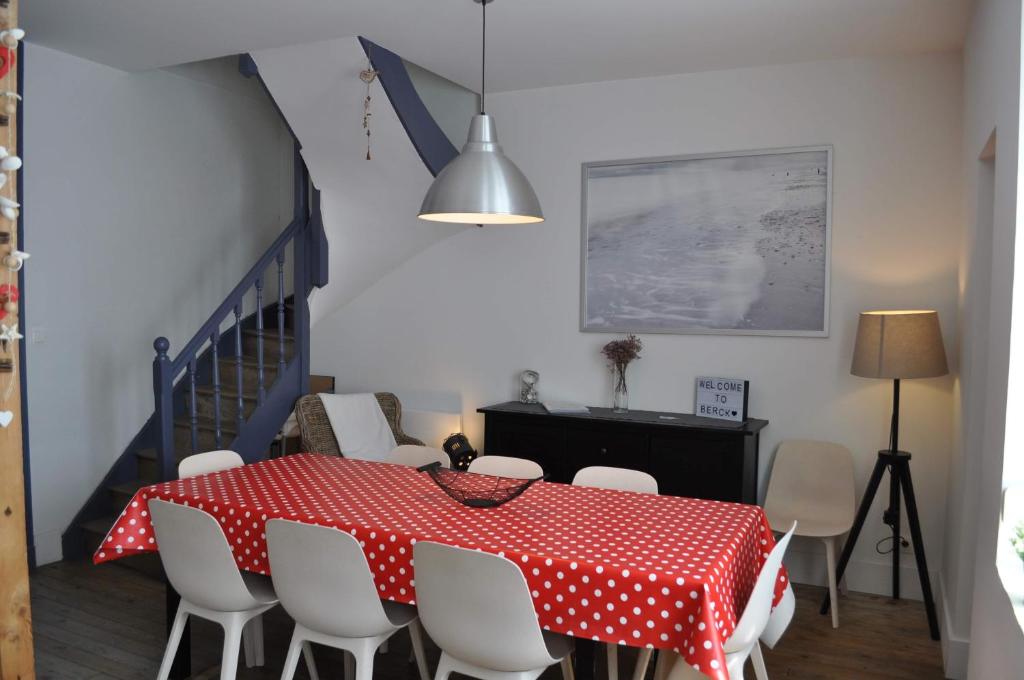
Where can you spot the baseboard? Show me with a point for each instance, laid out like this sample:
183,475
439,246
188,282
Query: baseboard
48,547
807,565
954,648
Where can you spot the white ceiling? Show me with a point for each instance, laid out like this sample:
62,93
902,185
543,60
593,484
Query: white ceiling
532,43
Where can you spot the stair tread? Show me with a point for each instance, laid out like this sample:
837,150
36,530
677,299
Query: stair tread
150,454
204,423
129,487
230,391
100,525
269,333
249,362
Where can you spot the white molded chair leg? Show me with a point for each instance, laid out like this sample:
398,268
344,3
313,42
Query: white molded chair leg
232,648
350,666
291,661
567,671
444,668
364,665
612,652
661,665
642,661
249,645
757,660
830,559
307,654
252,642
173,640
416,634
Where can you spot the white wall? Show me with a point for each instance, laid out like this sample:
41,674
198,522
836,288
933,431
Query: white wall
453,326
369,206
977,607
147,196
451,105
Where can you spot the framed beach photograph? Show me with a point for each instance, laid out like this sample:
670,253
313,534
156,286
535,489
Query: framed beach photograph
733,243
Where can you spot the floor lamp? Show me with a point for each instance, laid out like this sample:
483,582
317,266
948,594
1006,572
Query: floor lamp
896,345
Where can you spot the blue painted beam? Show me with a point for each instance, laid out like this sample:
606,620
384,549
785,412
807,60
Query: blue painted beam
431,143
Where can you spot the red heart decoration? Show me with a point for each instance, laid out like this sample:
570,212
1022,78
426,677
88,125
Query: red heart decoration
8,58
8,293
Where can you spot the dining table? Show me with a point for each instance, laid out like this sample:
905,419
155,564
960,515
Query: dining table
640,570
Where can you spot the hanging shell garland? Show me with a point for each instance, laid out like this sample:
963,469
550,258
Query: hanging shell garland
11,37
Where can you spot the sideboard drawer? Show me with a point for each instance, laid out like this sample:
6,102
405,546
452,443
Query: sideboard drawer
608,447
540,442
700,466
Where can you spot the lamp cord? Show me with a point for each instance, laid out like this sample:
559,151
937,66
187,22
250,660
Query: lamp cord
483,59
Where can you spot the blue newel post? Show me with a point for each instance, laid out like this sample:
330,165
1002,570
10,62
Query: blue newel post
163,418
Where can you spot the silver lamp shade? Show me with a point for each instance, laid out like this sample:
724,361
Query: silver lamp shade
481,185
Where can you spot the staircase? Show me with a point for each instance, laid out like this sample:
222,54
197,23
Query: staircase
234,383
147,460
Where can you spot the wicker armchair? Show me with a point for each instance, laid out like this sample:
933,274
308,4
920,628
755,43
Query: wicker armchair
318,435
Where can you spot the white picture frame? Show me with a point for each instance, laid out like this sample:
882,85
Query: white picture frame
695,244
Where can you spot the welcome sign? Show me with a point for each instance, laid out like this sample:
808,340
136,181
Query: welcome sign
722,398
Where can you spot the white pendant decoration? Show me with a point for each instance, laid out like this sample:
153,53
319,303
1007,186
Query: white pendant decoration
11,37
9,335
8,163
6,417
15,260
11,102
9,207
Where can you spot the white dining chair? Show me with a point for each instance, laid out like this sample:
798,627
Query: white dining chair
619,479
778,622
506,466
812,483
198,562
743,643
325,585
210,461
416,456
203,464
477,607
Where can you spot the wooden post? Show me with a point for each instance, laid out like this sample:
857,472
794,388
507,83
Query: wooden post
16,660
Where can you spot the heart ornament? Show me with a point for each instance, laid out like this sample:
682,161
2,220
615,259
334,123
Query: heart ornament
6,417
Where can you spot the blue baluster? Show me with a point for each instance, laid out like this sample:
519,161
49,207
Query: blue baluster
239,381
261,391
214,342
301,317
280,313
193,414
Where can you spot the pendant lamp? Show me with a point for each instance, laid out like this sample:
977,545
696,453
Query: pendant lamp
481,185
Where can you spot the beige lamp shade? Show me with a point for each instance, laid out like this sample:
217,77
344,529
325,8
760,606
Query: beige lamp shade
899,344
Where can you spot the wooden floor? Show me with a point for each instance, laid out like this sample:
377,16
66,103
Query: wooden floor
107,621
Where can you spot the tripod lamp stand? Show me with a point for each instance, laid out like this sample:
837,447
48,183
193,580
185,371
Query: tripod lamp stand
896,345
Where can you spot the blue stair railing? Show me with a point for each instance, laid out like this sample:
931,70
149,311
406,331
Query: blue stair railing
234,383
224,336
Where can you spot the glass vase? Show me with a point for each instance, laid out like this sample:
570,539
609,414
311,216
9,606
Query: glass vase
620,398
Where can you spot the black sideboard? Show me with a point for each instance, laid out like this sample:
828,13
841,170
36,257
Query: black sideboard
688,455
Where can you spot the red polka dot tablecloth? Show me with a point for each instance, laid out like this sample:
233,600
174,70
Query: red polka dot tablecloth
627,568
